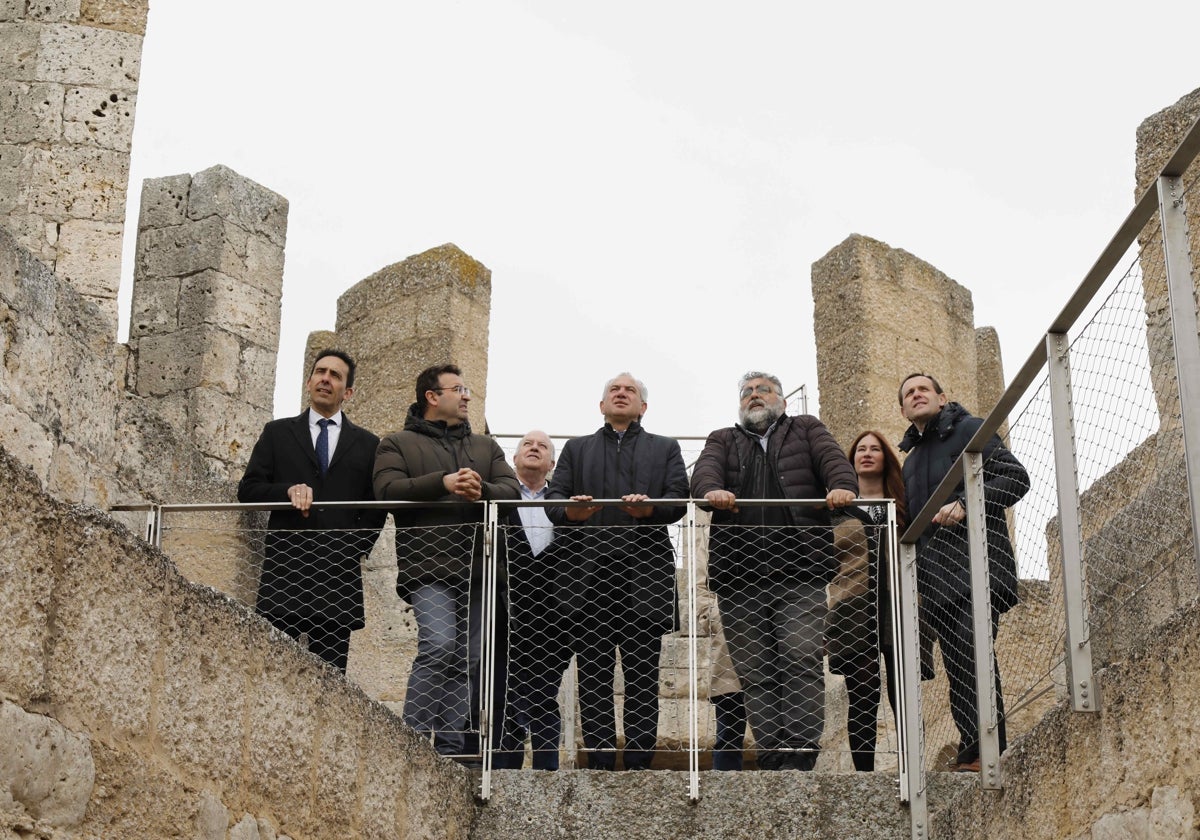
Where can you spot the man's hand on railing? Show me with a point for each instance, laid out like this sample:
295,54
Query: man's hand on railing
465,483
581,514
300,495
635,510
722,500
950,514
839,498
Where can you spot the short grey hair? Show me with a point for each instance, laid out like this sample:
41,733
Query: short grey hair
539,432
758,374
641,386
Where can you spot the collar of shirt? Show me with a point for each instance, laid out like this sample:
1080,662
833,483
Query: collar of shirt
538,528
335,429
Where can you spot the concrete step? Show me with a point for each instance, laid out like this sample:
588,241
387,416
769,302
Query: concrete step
754,805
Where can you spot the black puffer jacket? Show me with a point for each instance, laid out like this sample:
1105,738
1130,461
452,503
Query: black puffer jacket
410,466
943,564
808,464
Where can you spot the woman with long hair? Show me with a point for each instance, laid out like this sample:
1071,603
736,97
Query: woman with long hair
879,477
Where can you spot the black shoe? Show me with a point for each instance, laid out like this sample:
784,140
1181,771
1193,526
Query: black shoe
804,760
601,762
769,760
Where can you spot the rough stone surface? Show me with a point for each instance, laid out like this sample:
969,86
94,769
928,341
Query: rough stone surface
1157,138
43,766
192,709
879,313
435,305
732,805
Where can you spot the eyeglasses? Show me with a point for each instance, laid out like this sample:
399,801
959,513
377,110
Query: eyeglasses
765,390
458,389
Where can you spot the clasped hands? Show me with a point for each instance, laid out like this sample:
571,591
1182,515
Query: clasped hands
465,483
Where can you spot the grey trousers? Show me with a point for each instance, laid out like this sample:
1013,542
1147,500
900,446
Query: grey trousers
776,633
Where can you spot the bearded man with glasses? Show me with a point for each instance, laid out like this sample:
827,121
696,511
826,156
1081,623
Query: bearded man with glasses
769,566
439,552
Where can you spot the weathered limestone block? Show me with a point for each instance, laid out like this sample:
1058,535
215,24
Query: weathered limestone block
89,253
223,430
11,197
190,358
879,313
212,818
156,458
256,383
53,10
43,766
27,284
86,55
246,829
281,732
136,796
77,183
73,476
164,201
219,191
27,441
185,249
19,42
155,306
227,303
30,112
100,117
123,15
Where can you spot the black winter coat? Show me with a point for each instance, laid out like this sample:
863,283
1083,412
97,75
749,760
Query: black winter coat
808,464
943,560
640,559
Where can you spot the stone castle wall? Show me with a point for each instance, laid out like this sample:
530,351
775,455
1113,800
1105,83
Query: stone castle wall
68,90
136,704
880,313
110,655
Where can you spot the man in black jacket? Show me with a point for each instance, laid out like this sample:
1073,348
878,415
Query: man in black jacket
939,432
624,568
770,565
311,580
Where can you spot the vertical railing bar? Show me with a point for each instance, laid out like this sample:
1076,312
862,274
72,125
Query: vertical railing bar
1181,292
908,680
693,667
981,615
488,644
1081,679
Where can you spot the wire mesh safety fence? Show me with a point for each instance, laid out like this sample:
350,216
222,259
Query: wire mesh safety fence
600,618
1129,464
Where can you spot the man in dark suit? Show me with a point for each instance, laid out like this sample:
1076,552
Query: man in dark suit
622,568
311,580
538,654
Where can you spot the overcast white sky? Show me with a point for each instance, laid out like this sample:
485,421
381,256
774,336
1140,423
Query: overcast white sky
650,182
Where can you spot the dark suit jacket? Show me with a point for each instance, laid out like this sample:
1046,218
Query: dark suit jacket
312,564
